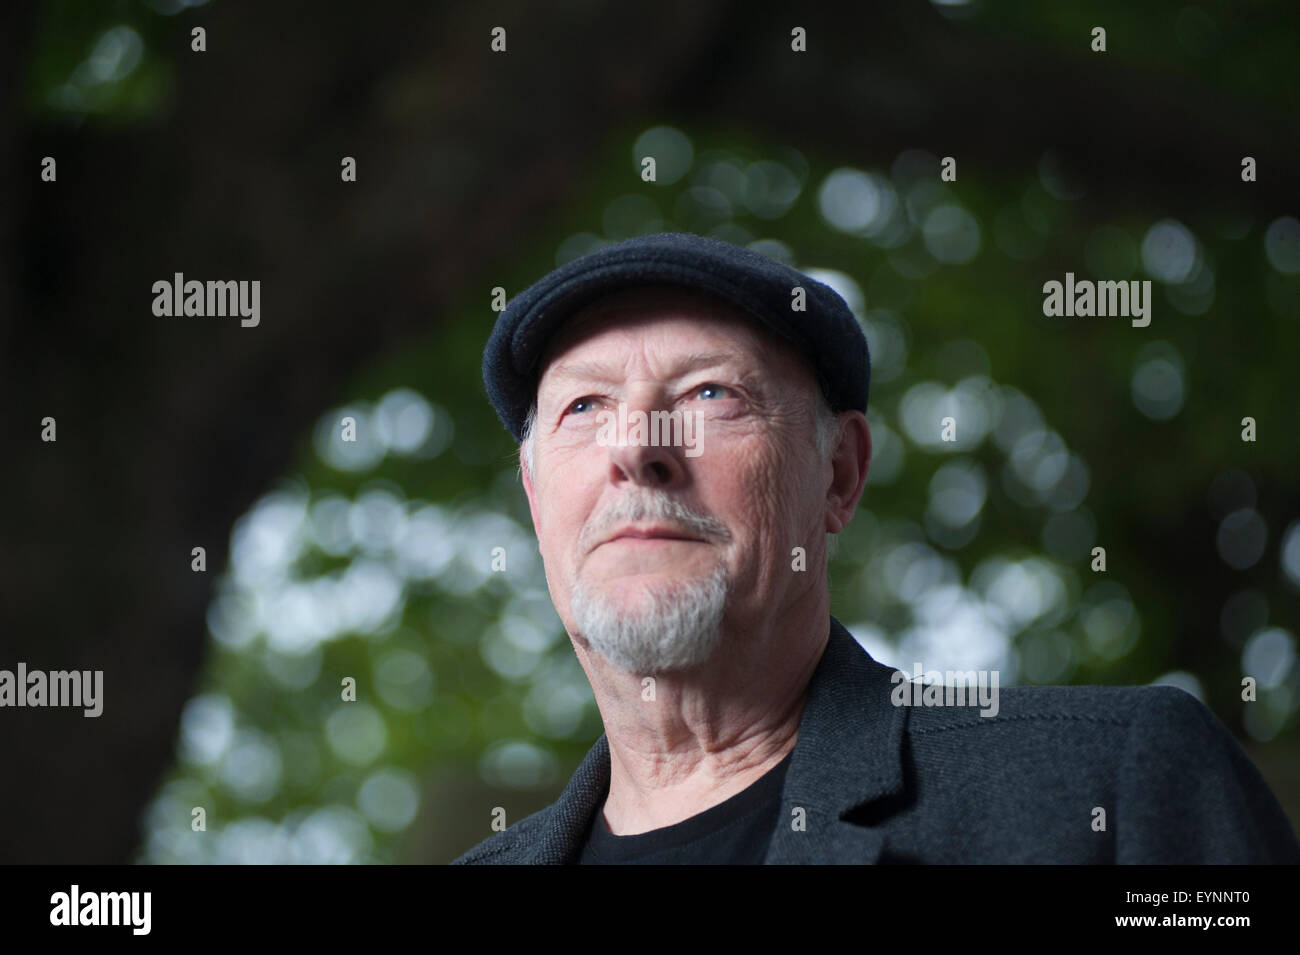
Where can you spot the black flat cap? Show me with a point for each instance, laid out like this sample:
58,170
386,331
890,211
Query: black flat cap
827,333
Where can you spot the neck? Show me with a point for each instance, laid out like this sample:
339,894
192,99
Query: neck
691,740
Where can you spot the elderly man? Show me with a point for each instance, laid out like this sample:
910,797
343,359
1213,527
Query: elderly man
743,723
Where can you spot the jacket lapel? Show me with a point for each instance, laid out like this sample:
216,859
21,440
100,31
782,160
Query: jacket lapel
569,817
848,755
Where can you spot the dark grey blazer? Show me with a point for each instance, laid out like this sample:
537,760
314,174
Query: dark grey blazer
884,783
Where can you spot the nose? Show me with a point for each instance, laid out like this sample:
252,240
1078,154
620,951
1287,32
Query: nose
643,455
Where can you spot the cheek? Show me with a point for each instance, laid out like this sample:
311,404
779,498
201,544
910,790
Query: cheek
563,508
764,493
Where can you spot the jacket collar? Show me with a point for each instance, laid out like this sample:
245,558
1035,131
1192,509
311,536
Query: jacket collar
848,755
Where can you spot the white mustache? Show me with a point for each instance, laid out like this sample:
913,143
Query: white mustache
660,508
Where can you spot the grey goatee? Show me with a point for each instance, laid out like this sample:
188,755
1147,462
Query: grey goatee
669,625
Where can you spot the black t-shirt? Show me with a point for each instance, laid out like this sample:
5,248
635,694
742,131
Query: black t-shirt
734,832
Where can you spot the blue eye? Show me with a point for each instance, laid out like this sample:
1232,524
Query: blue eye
704,389
580,405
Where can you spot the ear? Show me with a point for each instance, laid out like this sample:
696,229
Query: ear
529,491
849,463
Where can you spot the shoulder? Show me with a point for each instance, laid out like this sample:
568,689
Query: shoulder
1144,774
1093,725
1119,707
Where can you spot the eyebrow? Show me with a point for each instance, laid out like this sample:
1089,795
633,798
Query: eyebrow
596,371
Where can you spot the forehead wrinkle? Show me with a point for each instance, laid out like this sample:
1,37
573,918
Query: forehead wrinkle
599,372
753,352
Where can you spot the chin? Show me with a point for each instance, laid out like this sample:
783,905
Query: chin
651,626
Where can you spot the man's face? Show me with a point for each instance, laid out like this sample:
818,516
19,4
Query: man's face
639,530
